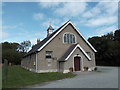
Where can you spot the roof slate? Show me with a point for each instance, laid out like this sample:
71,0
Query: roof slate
67,52
45,41
40,44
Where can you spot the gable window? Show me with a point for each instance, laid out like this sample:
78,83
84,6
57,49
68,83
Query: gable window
49,54
69,38
89,54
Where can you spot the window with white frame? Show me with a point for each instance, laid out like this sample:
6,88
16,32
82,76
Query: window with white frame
69,38
89,54
49,54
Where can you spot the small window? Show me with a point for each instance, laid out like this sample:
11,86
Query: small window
49,62
48,54
89,54
69,38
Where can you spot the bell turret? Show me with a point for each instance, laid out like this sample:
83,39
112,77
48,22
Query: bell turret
49,30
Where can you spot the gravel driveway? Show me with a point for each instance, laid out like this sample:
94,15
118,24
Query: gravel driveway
106,77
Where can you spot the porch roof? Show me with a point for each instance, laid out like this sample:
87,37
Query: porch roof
69,52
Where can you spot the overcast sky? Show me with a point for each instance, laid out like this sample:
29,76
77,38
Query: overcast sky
29,20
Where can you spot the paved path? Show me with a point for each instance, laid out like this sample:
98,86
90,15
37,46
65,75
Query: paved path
107,78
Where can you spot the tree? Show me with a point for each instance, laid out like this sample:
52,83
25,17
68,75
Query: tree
24,46
117,35
10,53
109,36
108,48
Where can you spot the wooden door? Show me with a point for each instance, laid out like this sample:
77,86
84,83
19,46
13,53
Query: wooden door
77,63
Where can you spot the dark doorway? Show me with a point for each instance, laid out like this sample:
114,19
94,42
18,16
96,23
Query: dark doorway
77,63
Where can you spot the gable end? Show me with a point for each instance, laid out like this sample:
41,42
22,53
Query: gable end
69,22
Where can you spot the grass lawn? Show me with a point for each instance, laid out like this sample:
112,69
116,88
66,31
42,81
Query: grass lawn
0,78
19,77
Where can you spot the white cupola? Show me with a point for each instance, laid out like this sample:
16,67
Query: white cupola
49,30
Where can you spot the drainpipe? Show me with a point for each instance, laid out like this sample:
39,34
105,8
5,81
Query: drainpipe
36,61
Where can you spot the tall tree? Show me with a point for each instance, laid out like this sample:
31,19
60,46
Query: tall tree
24,46
108,48
117,35
9,52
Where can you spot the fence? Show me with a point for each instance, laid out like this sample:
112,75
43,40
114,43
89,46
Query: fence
4,72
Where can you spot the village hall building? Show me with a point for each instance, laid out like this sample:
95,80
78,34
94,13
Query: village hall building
62,50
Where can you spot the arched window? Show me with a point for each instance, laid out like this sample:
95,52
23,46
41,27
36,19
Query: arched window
69,38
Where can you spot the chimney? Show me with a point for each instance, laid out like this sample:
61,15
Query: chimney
49,30
38,40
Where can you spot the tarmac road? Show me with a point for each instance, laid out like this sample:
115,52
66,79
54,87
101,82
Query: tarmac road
106,77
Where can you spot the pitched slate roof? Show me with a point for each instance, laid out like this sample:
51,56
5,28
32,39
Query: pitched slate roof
72,48
40,44
67,52
44,42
